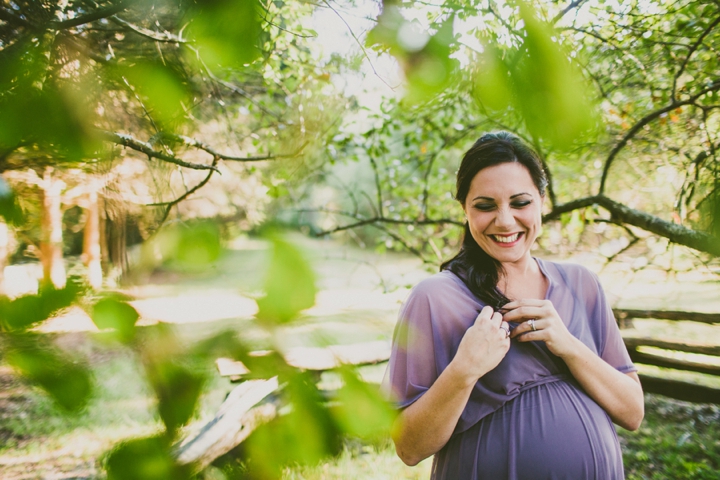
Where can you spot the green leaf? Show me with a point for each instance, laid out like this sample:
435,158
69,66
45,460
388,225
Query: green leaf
199,244
361,410
539,80
305,435
116,315
25,312
289,284
147,458
492,82
67,382
178,389
161,89
425,59
227,32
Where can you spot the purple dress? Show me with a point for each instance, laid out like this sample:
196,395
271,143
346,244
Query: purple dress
527,418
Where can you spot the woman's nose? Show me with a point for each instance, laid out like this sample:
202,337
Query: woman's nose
504,218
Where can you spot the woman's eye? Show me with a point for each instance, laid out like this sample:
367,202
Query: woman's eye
485,207
522,204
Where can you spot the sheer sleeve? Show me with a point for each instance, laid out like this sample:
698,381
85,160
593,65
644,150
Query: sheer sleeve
412,368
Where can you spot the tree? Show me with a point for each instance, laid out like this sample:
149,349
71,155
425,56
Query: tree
184,84
649,70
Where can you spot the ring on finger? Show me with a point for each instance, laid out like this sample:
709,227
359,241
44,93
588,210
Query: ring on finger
507,330
531,322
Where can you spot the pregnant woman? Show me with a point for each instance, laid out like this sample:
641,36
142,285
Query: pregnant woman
506,366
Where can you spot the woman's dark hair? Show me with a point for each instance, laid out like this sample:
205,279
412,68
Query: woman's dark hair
480,271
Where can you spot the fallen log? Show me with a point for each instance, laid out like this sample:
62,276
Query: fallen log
244,409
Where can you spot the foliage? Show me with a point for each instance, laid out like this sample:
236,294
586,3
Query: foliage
620,100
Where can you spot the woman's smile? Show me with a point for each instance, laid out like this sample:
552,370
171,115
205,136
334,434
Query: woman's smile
507,240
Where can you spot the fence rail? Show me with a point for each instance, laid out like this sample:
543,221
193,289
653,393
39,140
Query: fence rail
677,389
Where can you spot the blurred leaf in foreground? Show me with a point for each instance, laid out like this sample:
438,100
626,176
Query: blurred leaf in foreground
110,313
289,283
361,410
161,89
67,382
539,81
425,58
305,435
26,311
226,31
147,458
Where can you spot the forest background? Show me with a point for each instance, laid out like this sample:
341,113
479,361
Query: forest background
143,136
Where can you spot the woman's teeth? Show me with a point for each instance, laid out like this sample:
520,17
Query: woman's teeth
506,239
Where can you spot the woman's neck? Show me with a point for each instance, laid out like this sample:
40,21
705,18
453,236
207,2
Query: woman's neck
522,279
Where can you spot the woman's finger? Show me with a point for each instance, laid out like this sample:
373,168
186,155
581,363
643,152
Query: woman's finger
485,314
532,325
520,314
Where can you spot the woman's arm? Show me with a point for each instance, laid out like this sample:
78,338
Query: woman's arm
424,427
618,393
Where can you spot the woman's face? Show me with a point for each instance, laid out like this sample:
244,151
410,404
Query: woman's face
504,211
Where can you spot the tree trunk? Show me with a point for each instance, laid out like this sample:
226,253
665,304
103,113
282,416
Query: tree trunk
4,253
51,243
116,241
92,254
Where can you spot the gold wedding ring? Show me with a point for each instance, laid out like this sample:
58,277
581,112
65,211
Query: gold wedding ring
531,322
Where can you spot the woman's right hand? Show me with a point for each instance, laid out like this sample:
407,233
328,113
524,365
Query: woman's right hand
483,346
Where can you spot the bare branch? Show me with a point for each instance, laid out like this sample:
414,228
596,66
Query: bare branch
119,6
559,209
10,17
191,142
693,48
574,4
147,149
672,231
170,205
165,37
644,121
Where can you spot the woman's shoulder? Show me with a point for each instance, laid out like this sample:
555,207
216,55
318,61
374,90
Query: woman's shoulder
568,270
443,282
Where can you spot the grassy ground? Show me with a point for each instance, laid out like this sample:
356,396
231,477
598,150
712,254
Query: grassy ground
360,294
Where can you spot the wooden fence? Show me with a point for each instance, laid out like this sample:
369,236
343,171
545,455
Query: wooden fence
680,390
252,402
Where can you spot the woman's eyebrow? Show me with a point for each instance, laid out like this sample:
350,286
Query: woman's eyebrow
492,199
518,194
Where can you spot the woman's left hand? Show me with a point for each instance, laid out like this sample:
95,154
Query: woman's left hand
549,327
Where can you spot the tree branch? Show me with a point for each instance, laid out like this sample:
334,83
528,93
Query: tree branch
147,149
559,209
165,37
672,231
644,121
693,48
119,6
170,205
565,10
10,17
191,142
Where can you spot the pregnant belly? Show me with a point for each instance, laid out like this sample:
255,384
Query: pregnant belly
551,431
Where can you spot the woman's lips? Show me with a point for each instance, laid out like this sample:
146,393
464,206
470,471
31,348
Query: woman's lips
506,240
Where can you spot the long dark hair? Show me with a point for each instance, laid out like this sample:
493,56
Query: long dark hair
480,271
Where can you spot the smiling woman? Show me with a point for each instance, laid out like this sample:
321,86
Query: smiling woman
504,365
